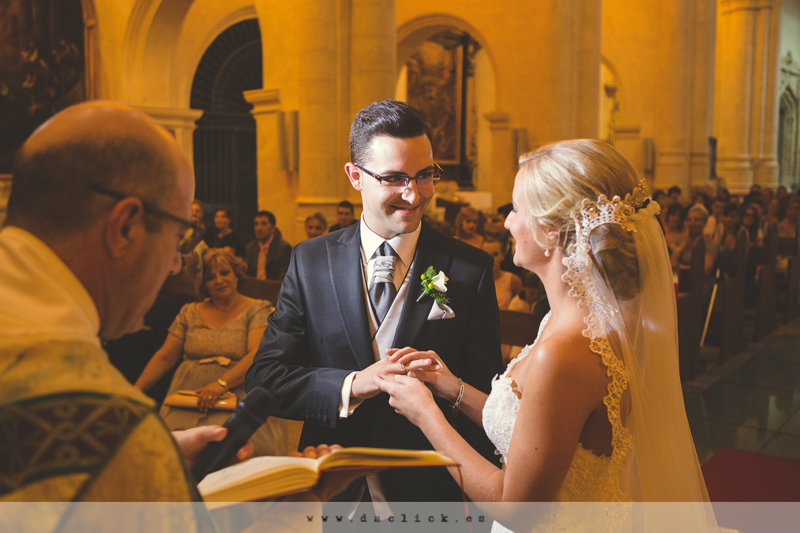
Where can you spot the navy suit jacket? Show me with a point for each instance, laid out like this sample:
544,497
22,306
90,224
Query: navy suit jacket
319,333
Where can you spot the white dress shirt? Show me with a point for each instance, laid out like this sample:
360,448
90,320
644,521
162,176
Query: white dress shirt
405,245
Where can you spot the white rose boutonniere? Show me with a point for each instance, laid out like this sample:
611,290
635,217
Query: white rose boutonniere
435,286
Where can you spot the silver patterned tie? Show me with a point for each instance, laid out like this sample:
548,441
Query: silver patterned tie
382,291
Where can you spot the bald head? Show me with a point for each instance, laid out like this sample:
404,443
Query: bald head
101,143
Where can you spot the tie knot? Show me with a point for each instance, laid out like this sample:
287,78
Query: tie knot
384,250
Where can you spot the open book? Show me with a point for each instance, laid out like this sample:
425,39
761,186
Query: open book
263,478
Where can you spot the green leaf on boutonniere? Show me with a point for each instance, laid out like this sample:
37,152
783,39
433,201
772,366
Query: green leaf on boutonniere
434,285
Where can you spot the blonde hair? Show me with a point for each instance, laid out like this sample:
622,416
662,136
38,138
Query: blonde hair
463,214
558,176
214,256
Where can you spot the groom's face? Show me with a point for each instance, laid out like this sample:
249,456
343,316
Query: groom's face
390,210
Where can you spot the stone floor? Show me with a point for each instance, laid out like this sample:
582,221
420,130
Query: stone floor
752,401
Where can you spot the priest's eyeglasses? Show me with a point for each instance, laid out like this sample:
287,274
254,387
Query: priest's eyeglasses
425,179
191,237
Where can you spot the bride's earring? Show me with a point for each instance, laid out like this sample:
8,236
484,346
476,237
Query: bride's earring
547,252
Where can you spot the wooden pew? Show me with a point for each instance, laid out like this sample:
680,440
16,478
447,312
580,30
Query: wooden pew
764,258
790,287
731,299
518,329
262,289
691,312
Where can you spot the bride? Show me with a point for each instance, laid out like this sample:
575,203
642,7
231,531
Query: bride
593,410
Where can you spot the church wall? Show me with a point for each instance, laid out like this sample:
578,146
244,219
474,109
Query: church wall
789,92
630,46
546,76
790,29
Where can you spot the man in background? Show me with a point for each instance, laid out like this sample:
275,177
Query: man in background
345,216
268,255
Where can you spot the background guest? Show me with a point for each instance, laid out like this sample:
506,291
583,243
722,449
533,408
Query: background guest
316,225
531,300
715,227
788,226
506,284
661,198
772,215
467,226
675,215
216,339
752,223
268,255
223,236
193,261
733,222
345,216
695,222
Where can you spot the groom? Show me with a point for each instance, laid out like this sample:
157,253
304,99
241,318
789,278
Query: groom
351,294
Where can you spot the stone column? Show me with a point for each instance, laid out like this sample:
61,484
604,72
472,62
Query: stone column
703,102
766,160
320,170
180,122
373,52
743,44
674,94
588,52
277,185
504,158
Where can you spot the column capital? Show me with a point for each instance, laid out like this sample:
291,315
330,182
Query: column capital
497,119
263,100
730,6
172,117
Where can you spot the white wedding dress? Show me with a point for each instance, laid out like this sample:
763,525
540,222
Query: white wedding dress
590,478
631,326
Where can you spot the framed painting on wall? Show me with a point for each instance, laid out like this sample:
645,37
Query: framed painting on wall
435,88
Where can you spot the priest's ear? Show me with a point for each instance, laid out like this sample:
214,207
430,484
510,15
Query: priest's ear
124,226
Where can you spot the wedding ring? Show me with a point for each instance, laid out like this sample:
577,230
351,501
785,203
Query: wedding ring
402,366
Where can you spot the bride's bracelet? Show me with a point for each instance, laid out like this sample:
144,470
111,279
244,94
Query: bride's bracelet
460,393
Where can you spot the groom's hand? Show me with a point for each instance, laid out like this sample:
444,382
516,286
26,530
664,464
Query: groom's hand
364,381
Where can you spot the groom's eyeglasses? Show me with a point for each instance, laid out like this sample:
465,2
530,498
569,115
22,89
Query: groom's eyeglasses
191,237
425,179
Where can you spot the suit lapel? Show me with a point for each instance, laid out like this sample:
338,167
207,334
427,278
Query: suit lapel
415,314
344,261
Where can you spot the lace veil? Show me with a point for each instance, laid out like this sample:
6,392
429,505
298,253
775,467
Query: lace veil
619,268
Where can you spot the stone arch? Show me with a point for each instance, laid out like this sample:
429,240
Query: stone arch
188,55
413,33
163,43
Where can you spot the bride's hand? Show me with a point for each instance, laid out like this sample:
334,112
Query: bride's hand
409,397
427,367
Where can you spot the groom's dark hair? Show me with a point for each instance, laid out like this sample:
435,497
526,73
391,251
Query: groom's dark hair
388,117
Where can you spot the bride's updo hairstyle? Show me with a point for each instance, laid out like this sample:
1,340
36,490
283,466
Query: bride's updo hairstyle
557,178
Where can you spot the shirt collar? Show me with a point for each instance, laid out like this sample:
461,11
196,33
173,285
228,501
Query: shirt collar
265,245
404,244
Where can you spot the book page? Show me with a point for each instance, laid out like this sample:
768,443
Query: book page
242,473
354,458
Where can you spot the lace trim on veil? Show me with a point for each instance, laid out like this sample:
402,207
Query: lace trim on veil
579,277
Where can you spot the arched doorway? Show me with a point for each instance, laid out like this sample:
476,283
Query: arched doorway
225,138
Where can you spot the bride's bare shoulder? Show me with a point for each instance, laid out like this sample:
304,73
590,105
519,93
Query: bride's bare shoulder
565,356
